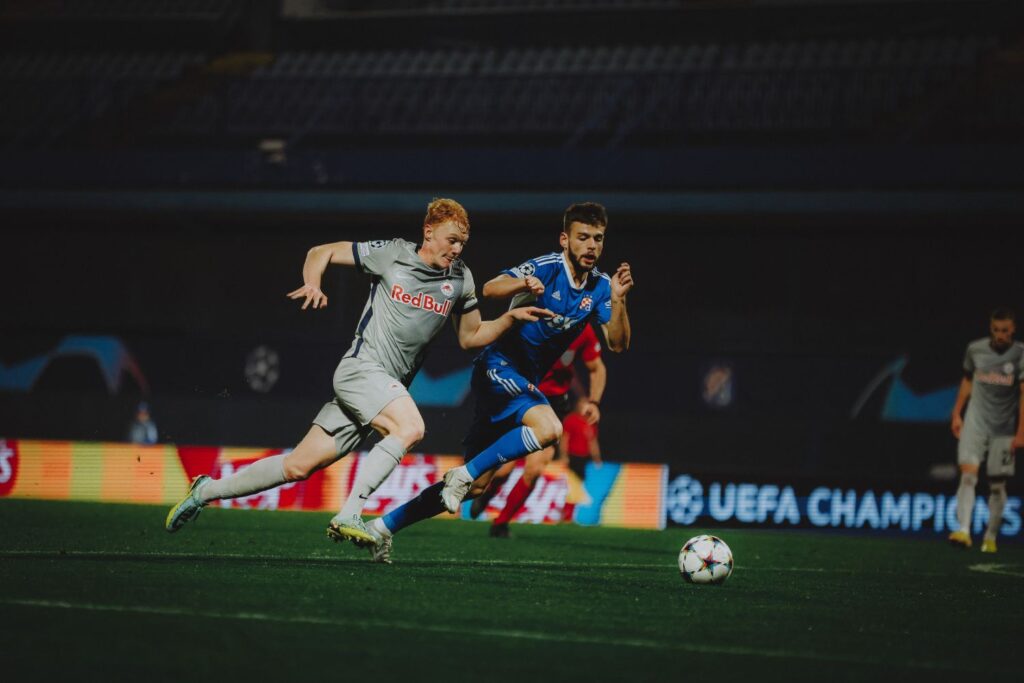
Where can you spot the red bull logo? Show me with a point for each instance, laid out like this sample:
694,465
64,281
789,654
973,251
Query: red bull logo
993,377
424,301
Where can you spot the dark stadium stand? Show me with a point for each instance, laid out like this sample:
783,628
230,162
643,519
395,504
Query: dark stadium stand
613,94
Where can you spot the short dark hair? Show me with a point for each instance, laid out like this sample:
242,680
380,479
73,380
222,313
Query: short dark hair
1003,313
588,213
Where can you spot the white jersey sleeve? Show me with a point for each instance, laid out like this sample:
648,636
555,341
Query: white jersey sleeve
468,301
374,257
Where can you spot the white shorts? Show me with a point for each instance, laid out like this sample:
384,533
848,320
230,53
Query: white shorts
976,445
362,388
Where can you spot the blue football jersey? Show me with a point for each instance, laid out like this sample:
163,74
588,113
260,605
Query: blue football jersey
534,346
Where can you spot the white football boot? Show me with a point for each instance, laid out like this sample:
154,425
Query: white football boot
380,551
456,485
188,508
350,529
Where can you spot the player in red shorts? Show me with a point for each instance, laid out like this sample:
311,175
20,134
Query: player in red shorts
556,386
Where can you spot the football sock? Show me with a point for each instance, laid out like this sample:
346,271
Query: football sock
516,498
510,446
259,476
380,527
965,500
373,470
426,504
996,503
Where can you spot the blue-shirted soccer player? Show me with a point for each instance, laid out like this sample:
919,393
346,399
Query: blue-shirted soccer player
513,418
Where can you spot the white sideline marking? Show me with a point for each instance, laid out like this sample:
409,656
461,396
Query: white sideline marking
332,559
1002,569
364,623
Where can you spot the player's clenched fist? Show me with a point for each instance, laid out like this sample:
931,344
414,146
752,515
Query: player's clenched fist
534,285
311,294
622,281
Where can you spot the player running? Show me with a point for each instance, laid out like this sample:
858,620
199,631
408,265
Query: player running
513,418
556,387
414,290
994,382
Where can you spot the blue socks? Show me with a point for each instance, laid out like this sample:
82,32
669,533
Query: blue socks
510,446
514,444
427,504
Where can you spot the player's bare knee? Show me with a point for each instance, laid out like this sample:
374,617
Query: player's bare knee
548,432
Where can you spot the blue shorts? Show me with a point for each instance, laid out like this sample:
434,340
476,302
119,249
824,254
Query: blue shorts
503,396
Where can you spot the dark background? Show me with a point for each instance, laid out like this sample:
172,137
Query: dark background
816,191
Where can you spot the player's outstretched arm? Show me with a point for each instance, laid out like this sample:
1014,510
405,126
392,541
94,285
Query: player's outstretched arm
617,330
313,269
474,333
506,286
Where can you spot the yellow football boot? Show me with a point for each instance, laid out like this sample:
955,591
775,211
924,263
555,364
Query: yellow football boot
988,545
960,538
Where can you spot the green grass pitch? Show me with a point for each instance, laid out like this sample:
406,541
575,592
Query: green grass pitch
101,592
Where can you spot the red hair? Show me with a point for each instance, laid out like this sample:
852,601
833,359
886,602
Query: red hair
442,210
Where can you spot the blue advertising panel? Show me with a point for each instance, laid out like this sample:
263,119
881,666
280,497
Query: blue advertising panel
706,500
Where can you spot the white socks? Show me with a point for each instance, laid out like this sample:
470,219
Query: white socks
373,470
996,503
380,527
965,500
259,476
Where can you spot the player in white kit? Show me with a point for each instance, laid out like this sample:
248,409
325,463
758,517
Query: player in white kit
993,428
414,290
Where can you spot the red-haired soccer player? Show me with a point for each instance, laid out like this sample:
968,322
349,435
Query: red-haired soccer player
414,290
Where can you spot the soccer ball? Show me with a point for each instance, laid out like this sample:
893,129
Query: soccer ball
705,559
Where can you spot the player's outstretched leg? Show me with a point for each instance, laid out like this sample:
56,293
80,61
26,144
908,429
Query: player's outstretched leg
964,507
510,446
259,476
315,451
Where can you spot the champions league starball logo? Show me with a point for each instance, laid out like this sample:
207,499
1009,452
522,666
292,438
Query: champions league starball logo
685,499
526,270
560,322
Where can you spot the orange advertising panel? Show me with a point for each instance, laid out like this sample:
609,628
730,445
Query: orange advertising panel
627,495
